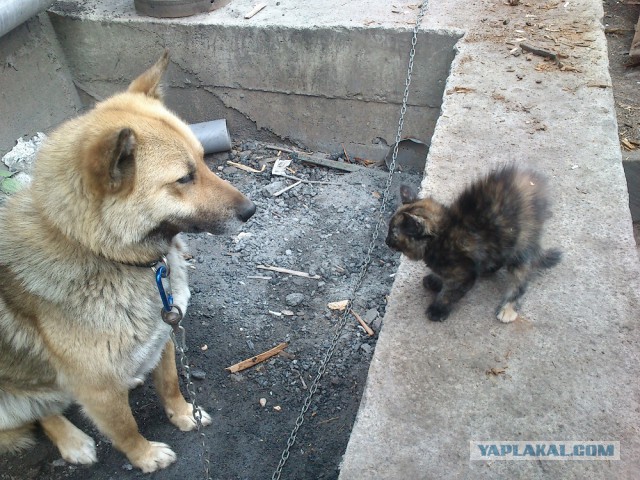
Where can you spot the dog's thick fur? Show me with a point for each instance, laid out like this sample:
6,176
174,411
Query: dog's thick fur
79,313
496,222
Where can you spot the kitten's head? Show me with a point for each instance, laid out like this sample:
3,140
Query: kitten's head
414,224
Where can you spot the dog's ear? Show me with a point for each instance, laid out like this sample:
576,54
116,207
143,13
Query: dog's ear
407,194
149,82
112,162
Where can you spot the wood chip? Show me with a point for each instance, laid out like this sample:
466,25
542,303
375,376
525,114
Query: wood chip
495,371
255,10
340,305
250,362
245,168
460,90
627,144
290,272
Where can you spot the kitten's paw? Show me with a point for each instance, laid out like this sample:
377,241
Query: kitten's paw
437,312
432,282
507,313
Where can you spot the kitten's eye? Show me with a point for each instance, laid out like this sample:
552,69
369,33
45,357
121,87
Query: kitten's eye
187,178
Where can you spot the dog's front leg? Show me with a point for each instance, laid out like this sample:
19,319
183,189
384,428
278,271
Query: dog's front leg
109,409
165,377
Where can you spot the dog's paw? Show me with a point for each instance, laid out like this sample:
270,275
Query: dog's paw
187,422
78,448
507,313
432,282
437,312
159,455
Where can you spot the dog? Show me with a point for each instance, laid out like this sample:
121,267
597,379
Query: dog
80,311
495,222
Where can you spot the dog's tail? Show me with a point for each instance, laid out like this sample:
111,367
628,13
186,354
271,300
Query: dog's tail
549,258
16,439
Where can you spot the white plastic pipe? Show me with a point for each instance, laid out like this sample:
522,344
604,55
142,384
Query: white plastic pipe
16,12
213,135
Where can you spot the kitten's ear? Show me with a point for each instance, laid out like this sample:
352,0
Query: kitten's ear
414,226
407,194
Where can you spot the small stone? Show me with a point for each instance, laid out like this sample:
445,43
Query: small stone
294,299
198,374
263,402
273,187
366,348
277,408
204,348
58,463
370,315
127,466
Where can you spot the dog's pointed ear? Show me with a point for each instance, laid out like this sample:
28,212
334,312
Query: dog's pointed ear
122,164
149,82
112,162
407,194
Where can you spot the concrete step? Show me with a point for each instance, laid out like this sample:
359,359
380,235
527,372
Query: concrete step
326,74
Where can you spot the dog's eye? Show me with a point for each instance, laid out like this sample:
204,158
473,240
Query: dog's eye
187,178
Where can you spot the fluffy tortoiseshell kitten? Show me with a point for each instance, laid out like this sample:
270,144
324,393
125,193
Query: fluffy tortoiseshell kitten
496,222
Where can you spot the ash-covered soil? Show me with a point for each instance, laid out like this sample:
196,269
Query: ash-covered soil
238,311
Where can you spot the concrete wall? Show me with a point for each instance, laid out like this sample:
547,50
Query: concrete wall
321,86
36,90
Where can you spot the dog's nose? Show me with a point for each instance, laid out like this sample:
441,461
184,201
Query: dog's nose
246,210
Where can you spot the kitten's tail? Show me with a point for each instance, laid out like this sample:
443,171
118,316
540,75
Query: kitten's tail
549,258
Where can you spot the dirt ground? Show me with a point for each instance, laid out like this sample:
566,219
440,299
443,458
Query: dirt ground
238,311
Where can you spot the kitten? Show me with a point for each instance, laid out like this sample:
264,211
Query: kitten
496,222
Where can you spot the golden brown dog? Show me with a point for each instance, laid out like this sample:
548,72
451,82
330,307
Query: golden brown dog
79,308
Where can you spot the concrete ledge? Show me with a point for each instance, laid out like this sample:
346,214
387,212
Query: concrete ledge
571,362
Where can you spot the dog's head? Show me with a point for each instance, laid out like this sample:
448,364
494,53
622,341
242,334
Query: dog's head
130,173
414,224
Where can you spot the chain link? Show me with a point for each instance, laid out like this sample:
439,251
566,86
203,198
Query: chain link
179,340
367,260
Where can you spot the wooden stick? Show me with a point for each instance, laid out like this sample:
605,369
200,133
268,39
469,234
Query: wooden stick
539,51
250,362
347,167
255,10
245,168
346,155
290,272
366,327
286,189
281,149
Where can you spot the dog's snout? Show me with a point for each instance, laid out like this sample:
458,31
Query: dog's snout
246,210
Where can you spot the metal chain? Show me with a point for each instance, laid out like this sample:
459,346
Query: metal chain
181,347
178,336
367,260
